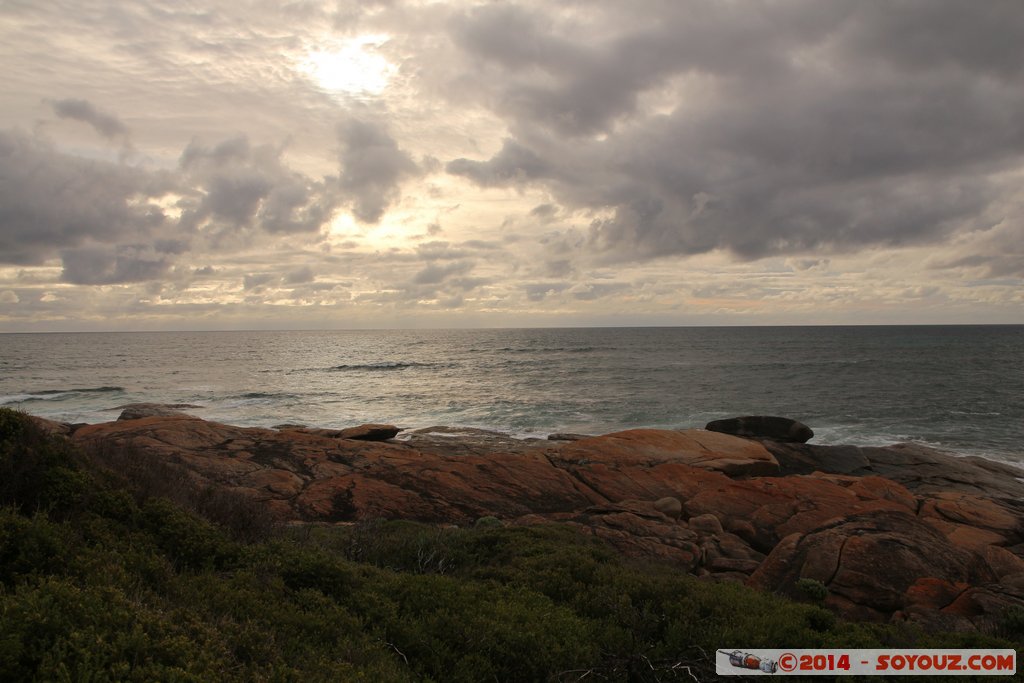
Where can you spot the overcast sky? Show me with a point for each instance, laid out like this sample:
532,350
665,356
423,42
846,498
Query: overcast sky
220,165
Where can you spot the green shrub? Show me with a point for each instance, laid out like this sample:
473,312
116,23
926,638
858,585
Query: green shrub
1012,624
190,542
488,522
29,546
36,469
812,589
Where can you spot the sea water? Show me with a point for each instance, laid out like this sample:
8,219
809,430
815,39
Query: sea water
960,388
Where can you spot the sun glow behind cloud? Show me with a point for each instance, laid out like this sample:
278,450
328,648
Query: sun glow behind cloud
353,66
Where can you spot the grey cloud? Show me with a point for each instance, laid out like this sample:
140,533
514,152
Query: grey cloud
456,301
255,280
236,149
50,201
482,245
436,273
597,290
578,76
237,185
438,250
107,125
997,252
514,164
171,246
558,268
372,168
923,34
799,137
544,212
541,290
299,276
468,284
112,265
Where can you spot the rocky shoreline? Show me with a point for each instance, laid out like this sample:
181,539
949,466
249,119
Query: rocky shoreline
891,533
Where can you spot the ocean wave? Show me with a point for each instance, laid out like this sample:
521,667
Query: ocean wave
387,365
92,390
251,395
553,349
55,394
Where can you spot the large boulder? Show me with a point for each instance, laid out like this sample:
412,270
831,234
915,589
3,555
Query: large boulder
645,448
364,432
370,432
763,427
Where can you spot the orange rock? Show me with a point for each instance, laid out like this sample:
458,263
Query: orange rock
973,510
730,455
861,536
871,560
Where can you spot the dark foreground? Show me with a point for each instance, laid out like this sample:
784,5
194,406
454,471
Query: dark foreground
169,548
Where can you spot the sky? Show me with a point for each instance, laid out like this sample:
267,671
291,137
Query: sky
411,163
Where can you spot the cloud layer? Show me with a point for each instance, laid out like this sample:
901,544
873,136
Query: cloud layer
526,163
775,129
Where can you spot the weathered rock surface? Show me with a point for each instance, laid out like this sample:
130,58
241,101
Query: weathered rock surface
763,426
892,533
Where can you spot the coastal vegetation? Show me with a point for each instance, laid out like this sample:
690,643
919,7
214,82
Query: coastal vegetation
108,576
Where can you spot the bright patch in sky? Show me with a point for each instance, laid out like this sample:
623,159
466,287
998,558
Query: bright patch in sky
352,66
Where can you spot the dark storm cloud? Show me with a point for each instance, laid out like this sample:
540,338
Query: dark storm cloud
372,168
107,125
51,201
760,128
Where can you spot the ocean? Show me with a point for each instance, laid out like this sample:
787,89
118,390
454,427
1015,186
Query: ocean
959,388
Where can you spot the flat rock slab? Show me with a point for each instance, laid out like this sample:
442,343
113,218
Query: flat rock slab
730,455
